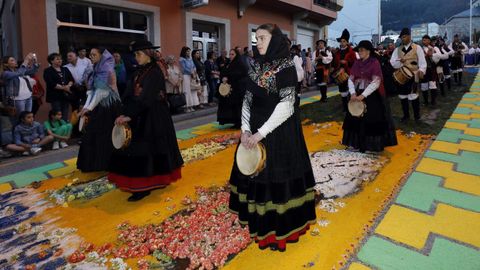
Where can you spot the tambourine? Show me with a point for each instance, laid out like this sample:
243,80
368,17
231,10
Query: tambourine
224,89
251,162
357,108
121,136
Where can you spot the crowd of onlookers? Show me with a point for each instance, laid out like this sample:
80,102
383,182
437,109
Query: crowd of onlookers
190,80
191,84
22,96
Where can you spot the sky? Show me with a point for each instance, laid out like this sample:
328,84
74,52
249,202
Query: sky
360,17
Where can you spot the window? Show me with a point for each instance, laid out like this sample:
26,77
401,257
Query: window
74,37
134,21
102,18
106,17
72,13
254,38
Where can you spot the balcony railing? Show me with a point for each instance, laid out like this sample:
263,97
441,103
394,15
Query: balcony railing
335,5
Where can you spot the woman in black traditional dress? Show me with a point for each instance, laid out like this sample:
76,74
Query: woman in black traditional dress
152,160
278,204
374,130
102,107
230,107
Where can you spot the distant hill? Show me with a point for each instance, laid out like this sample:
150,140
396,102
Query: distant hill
397,14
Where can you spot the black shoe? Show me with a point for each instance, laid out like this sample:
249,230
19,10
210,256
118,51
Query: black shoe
137,196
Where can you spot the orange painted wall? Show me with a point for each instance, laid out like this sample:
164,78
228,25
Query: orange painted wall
172,20
172,24
260,13
33,29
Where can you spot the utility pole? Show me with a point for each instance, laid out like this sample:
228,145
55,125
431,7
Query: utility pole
470,36
379,20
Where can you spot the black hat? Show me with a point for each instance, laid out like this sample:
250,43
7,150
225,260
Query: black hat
366,44
405,31
345,35
321,40
427,37
142,45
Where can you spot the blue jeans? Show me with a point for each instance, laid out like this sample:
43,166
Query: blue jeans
23,105
62,106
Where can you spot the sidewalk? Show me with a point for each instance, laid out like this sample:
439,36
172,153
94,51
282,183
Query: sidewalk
434,222
21,171
188,125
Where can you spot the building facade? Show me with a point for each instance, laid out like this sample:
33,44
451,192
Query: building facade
46,26
420,30
460,24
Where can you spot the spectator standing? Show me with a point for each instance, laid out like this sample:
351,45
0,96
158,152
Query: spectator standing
200,67
189,72
223,61
18,83
78,70
212,73
308,70
162,64
121,73
174,79
37,95
59,82
82,57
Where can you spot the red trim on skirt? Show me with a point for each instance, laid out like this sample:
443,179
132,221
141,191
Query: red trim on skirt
281,245
136,184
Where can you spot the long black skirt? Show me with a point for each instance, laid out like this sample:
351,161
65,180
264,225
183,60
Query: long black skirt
152,159
278,204
374,130
96,147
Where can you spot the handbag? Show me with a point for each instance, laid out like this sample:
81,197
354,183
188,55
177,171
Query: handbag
195,84
176,100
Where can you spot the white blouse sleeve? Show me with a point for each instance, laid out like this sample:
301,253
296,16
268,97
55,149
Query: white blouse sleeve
95,98
247,103
351,86
281,113
374,85
394,60
422,62
327,59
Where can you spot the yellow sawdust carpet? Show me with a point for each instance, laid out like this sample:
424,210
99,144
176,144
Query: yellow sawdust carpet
97,219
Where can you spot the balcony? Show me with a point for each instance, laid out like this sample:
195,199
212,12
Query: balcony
320,11
335,5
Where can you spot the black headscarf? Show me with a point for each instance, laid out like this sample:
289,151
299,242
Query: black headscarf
278,47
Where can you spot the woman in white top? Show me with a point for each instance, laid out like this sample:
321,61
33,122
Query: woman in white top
175,76
174,80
